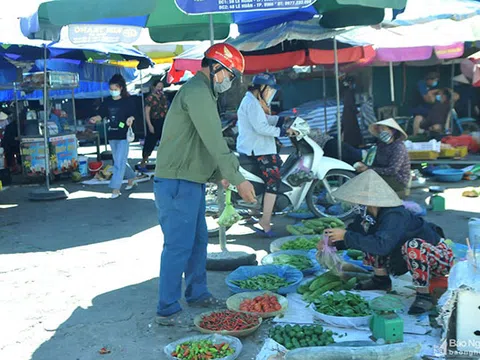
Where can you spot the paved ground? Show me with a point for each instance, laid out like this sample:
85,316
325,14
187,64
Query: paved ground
81,274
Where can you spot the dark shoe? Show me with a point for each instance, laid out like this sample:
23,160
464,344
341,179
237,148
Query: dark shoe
423,303
179,319
376,283
210,302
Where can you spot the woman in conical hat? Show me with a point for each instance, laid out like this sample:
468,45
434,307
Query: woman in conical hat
394,240
391,161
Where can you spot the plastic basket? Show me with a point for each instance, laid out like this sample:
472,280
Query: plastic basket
276,245
235,343
239,333
234,301
289,273
423,155
268,260
342,321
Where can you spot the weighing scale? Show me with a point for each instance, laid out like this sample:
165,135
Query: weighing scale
385,323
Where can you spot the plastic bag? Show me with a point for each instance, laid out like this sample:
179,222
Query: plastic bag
215,338
130,135
328,257
290,274
229,215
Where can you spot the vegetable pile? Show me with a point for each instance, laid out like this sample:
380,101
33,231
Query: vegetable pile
261,304
293,337
301,243
299,262
202,350
228,321
229,216
315,226
328,281
355,254
345,305
262,282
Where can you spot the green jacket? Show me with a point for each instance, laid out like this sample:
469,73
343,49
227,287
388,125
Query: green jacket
192,146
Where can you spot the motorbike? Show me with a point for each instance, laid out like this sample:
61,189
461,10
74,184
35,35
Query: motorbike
306,176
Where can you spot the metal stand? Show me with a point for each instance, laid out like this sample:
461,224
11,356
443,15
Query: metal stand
337,88
324,81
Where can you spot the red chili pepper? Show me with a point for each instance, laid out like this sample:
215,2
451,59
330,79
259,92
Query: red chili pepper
228,320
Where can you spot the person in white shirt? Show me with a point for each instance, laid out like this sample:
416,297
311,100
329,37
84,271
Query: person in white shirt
257,130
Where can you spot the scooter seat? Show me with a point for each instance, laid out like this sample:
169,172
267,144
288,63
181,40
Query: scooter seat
249,164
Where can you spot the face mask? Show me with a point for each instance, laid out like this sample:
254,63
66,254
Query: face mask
438,98
385,136
435,83
269,100
115,93
225,85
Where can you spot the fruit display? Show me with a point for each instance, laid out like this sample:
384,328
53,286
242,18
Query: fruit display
261,304
315,226
202,350
297,336
328,281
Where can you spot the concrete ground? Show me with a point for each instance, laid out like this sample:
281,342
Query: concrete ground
81,274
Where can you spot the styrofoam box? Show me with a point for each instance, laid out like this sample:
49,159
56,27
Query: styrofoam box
468,324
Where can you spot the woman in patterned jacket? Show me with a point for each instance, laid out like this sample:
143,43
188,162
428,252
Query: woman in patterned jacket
391,161
394,241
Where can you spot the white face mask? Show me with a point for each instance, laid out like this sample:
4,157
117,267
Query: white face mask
225,85
385,136
115,93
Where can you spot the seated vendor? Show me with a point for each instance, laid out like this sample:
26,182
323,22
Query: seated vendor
391,160
438,118
424,98
393,239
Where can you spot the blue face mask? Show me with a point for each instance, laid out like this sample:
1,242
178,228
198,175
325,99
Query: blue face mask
115,93
435,83
438,98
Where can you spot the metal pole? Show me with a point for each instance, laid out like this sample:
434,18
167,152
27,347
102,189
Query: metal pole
451,99
212,31
337,88
143,105
74,111
45,118
392,83
16,109
103,120
325,100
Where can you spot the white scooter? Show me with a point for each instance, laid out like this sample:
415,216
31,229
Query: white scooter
307,175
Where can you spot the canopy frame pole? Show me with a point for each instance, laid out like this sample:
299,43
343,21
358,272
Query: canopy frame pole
17,113
103,120
392,83
212,30
74,111
337,89
143,105
45,119
324,84
452,103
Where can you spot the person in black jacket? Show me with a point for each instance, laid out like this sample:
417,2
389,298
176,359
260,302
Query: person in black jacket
394,240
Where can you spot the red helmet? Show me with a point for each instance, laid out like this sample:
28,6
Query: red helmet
228,56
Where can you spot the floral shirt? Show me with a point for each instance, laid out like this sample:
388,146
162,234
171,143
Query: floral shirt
392,160
158,106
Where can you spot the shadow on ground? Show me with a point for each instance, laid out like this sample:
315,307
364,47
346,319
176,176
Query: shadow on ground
122,322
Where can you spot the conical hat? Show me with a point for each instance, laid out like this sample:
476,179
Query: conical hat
369,189
391,123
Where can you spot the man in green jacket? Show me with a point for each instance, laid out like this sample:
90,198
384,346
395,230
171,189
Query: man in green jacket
191,152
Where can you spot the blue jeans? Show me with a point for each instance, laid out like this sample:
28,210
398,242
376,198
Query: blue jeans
181,214
121,168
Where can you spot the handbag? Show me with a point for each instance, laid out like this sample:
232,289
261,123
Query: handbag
130,135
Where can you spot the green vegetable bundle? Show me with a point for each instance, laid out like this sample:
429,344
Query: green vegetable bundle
262,282
328,281
315,226
293,337
229,215
344,305
202,350
299,262
301,243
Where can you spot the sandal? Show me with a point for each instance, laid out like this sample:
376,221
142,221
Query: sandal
383,283
209,302
423,303
179,319
266,234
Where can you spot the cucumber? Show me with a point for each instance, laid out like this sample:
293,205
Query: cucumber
350,284
354,254
322,280
331,285
402,351
293,230
309,225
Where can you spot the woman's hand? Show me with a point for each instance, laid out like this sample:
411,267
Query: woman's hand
151,129
360,167
334,235
130,121
94,119
292,133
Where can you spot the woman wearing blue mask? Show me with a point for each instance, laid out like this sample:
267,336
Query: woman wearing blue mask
394,241
391,160
119,111
425,96
257,130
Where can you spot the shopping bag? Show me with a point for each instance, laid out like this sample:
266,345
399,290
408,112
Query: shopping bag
229,215
130,135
